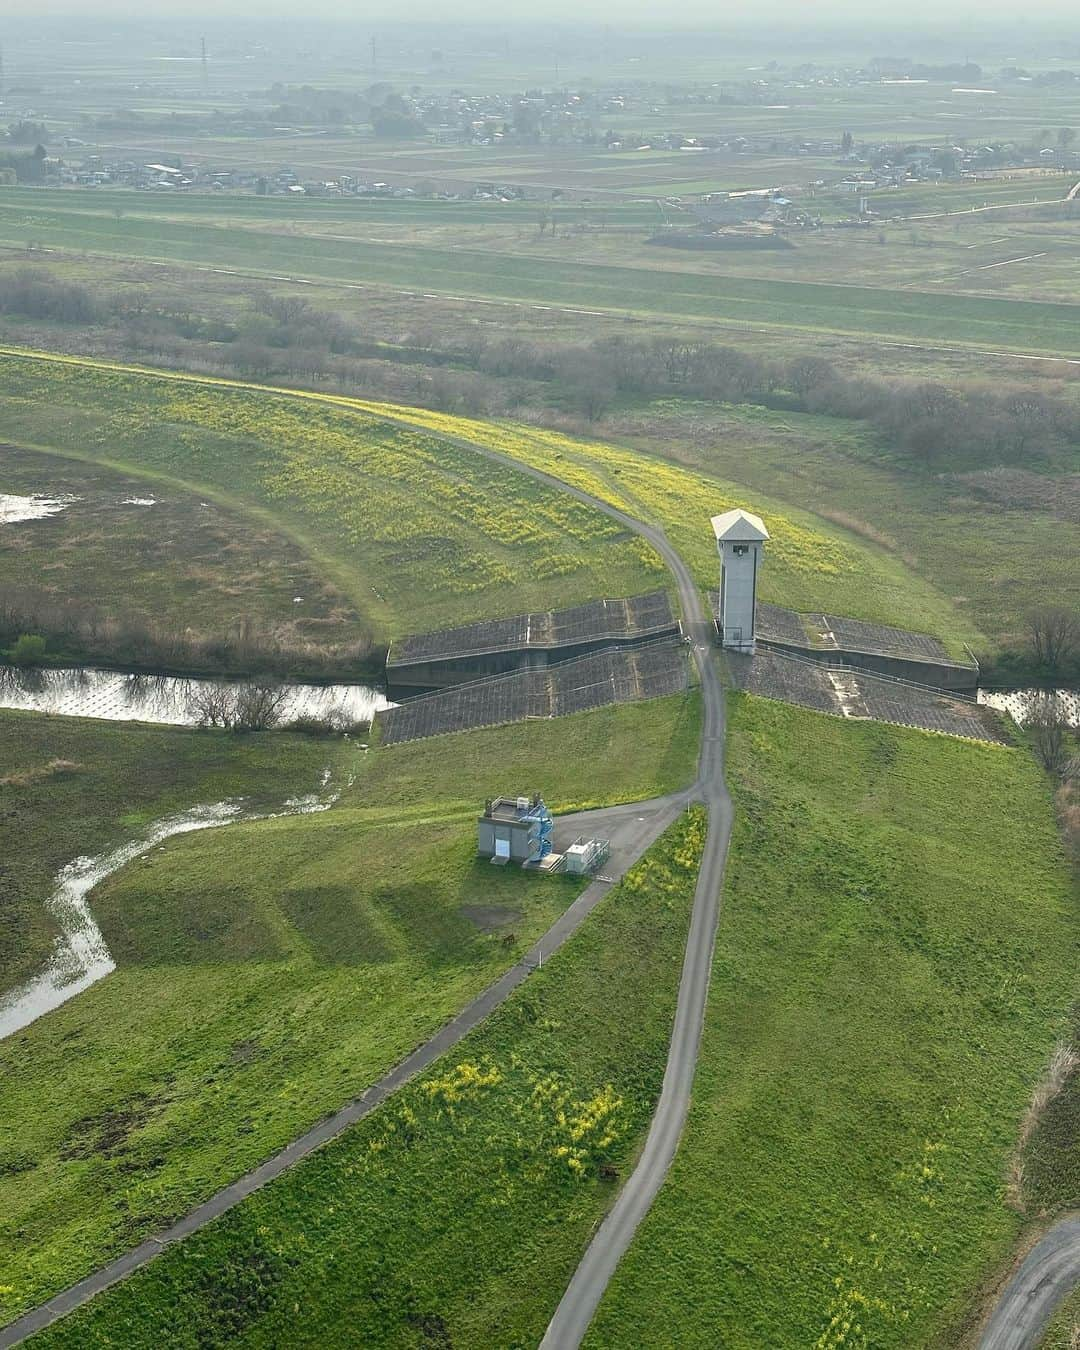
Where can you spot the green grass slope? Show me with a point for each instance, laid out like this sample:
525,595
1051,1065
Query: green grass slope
418,534
453,1215
896,955
71,787
269,971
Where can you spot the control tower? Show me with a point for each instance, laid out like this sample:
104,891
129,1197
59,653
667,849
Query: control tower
740,537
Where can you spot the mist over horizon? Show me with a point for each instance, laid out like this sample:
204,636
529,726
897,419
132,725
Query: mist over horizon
796,14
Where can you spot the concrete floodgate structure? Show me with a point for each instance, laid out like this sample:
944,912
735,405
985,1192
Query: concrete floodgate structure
850,692
606,677
534,641
836,641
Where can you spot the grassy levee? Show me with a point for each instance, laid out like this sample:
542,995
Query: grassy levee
999,555
1063,1331
441,533
417,533
896,957
69,788
455,1213
906,315
132,554
269,971
811,564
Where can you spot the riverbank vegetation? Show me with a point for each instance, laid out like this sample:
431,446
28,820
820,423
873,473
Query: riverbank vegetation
269,971
885,993
71,787
455,1214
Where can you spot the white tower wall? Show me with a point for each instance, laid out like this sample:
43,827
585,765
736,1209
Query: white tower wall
740,538
739,564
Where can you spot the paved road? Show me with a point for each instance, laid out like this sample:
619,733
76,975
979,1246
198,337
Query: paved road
1047,1276
582,1297
631,835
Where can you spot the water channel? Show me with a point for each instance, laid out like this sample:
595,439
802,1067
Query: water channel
174,700
80,956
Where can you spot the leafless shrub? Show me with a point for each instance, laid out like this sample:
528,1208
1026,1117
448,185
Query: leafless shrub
1049,734
1054,634
252,706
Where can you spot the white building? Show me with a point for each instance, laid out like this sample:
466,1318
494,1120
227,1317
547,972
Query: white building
739,539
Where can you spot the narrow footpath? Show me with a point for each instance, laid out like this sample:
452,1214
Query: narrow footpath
642,824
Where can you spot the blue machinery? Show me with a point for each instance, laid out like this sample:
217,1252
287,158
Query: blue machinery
541,826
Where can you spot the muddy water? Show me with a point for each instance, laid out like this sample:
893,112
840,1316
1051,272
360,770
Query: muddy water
1020,704
80,956
119,697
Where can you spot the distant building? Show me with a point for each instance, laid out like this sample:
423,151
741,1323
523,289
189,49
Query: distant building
739,539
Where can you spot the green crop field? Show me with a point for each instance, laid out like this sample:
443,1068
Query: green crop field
268,971
754,302
415,533
455,1213
884,996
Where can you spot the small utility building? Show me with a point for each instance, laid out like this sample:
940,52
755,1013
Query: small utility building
515,829
740,536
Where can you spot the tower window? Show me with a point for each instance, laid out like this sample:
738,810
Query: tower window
740,549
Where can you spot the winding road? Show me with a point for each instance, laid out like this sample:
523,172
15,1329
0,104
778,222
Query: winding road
632,829
1049,1273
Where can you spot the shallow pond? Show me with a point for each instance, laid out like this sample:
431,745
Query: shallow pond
120,697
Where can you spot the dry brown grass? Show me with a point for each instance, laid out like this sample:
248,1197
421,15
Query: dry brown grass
56,768
1063,1064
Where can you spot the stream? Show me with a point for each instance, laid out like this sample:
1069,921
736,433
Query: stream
80,956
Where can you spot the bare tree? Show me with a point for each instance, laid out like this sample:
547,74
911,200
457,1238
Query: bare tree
1054,634
253,706
1049,735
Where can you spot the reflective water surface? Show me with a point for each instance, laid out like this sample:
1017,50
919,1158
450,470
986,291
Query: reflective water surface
80,956
120,697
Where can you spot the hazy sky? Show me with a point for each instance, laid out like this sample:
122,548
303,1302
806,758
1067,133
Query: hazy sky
866,14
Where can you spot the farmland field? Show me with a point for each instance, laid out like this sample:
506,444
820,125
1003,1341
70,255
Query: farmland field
269,971
883,997
772,303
